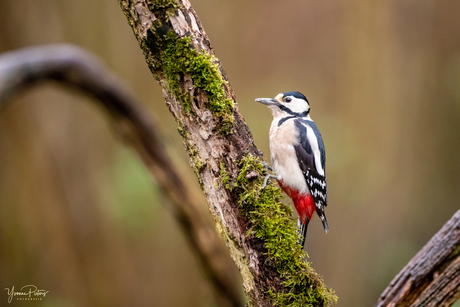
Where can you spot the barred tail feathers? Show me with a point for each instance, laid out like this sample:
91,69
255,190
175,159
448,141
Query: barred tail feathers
322,216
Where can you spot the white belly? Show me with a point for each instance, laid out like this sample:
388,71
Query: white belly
283,156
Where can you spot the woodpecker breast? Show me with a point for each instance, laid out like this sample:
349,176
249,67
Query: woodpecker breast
283,137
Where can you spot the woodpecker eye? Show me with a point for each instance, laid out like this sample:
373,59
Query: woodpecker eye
288,99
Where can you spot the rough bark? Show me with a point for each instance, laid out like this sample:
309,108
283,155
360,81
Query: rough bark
432,277
75,68
223,154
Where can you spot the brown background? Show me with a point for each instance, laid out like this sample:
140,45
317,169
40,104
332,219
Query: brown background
79,217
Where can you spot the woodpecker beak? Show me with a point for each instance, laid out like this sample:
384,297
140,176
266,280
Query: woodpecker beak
268,101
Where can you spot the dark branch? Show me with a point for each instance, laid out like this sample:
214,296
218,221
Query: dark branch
75,68
432,277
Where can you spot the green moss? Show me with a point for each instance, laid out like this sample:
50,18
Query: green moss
172,60
169,7
197,160
272,222
180,60
225,176
182,130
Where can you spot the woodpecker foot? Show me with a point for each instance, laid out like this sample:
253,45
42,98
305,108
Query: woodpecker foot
268,178
267,166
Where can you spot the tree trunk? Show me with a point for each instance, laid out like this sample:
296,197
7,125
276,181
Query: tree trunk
256,227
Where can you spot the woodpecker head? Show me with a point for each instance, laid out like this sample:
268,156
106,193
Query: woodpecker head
292,103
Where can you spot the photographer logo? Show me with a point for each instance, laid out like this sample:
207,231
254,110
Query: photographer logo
26,293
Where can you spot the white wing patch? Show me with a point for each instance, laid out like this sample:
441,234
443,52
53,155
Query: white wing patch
315,149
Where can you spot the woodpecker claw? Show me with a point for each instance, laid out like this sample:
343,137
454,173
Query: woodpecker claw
268,178
265,181
267,166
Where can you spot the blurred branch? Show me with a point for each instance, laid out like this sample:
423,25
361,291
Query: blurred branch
432,277
78,69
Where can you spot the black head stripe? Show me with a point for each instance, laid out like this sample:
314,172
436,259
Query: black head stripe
281,121
289,111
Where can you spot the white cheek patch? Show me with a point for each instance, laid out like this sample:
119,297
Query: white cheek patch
297,105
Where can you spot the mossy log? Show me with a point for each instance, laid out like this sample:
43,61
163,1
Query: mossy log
258,229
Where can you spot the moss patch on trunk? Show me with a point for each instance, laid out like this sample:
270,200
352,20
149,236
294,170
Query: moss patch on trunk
272,222
181,59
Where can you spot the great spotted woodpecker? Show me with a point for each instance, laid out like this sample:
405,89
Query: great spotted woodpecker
298,156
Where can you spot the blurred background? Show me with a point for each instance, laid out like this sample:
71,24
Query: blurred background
81,218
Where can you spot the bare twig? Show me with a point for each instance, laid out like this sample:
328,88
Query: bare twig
432,277
76,68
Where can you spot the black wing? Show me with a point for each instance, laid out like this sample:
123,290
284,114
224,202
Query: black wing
316,183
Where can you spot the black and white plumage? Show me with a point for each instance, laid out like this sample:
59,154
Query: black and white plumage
298,156
316,181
